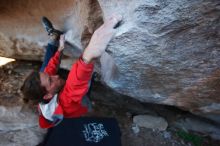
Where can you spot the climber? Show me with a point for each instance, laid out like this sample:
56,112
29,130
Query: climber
60,98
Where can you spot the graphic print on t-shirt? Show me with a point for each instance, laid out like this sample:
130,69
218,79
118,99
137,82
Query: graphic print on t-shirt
94,132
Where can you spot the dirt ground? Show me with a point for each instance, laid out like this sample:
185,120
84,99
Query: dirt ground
12,75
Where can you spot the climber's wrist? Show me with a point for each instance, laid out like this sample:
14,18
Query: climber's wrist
86,57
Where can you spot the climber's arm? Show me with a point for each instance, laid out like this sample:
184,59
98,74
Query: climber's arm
53,65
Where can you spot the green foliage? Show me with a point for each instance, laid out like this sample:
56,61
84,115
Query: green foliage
194,139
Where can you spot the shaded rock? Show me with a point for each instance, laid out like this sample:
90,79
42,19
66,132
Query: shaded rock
25,137
152,122
19,127
135,128
167,135
22,32
13,119
198,125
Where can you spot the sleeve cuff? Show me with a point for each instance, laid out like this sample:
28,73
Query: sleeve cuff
87,65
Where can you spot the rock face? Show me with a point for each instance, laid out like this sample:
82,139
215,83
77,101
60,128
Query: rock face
19,127
151,122
21,34
165,51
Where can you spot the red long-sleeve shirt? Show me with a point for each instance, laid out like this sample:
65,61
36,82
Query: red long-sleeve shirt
76,87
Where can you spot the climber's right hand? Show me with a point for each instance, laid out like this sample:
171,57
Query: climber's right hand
62,43
100,39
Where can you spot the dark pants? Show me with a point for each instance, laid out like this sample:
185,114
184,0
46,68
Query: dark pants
50,51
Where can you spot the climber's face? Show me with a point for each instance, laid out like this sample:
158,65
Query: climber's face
53,84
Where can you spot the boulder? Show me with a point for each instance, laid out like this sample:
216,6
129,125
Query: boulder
167,52
152,122
19,126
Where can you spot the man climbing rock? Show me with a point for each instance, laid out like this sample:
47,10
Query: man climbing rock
60,98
